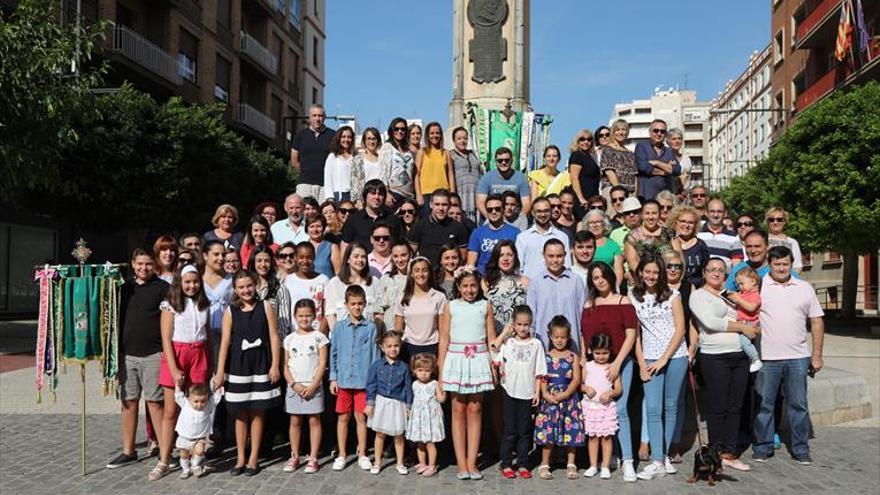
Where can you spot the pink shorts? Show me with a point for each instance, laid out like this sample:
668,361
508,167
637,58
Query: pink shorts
192,359
348,397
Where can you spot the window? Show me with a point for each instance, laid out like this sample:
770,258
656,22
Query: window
778,55
279,6
224,17
315,96
832,257
315,5
293,69
624,112
276,46
221,79
778,115
643,110
293,14
187,56
275,110
807,258
315,51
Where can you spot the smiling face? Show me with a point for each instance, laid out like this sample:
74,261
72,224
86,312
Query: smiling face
287,259
214,258
316,118
494,211
450,260
584,142
231,262
650,216
269,213
346,140
329,213
259,233
263,264
293,205
554,258
584,251
632,218
559,338
716,211
439,206
461,140
551,157
603,136
715,273
381,241
435,136
665,208
375,198
620,134
371,142
776,222
468,288
675,141
415,137
780,269
503,161
400,256
305,261
316,231
421,272
143,267
245,289
674,268
190,283
358,260
685,225
542,213
506,259
650,274
522,326
756,249
226,221
167,258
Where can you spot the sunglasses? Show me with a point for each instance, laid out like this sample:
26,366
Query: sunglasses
674,266
585,138
604,134
776,219
658,131
400,129
503,160
406,212
494,209
700,195
632,212
381,238
744,224
597,207
617,200
665,208
555,207
286,256
346,211
184,261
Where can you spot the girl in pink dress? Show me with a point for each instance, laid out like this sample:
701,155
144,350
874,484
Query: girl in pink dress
600,409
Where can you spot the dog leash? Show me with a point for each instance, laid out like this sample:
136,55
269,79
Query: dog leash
693,383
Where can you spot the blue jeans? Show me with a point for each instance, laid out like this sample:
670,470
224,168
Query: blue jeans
624,433
748,347
791,374
661,394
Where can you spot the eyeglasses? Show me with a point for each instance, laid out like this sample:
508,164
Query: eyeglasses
381,238
740,225
776,219
494,209
286,256
604,134
617,200
585,138
555,207
503,160
658,131
674,266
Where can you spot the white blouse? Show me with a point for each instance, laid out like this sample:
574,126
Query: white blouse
337,174
191,324
657,325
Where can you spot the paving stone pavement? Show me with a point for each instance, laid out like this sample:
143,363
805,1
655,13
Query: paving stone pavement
39,454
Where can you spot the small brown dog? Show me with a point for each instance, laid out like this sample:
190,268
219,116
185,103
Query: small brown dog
707,464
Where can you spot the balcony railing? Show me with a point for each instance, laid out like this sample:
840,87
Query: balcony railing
822,86
145,53
258,53
813,18
256,120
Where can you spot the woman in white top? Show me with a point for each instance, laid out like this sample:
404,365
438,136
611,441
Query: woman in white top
776,219
723,364
398,165
337,167
354,271
304,283
185,347
366,164
419,310
662,356
675,140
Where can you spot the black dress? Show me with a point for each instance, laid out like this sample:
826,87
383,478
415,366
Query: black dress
247,382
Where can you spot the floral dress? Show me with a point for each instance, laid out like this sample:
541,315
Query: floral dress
426,419
560,424
507,294
623,164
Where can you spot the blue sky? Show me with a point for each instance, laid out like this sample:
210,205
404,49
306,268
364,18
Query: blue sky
394,58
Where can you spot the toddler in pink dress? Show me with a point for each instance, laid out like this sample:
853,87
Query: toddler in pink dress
600,409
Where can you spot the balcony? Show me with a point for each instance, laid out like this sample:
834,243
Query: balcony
822,86
258,53
145,53
817,28
190,8
256,120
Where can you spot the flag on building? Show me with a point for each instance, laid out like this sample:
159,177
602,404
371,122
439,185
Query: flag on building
861,28
844,32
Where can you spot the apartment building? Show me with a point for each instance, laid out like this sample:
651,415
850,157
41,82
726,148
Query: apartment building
741,121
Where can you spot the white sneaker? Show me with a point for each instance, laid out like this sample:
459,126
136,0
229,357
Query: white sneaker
339,464
651,470
629,472
186,473
605,474
375,469
591,472
402,470
755,366
668,466
364,463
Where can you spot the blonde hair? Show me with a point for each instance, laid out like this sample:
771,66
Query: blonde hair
424,360
749,272
775,209
679,211
671,253
618,124
573,146
223,210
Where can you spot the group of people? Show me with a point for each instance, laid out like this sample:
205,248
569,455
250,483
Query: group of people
411,287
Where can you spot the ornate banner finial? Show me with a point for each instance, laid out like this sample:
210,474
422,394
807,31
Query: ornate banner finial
81,252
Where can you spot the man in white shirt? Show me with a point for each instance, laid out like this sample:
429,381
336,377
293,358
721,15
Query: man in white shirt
291,229
530,242
582,254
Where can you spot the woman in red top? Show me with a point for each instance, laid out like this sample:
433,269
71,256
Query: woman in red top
608,312
258,234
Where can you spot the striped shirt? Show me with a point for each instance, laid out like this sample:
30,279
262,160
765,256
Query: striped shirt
724,244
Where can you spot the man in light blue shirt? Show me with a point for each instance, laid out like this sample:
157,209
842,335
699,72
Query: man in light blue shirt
291,229
530,242
556,291
504,178
484,238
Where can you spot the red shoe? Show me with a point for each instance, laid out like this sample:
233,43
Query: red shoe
525,473
508,473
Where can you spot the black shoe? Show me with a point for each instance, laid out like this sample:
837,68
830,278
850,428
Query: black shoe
251,471
122,459
237,470
803,459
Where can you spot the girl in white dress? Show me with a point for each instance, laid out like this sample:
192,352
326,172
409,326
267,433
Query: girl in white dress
425,425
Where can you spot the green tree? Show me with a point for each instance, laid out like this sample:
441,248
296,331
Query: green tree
162,167
825,170
41,92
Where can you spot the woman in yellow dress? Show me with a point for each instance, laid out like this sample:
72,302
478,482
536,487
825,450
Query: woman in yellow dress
548,179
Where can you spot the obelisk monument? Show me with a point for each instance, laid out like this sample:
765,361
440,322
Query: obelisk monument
490,56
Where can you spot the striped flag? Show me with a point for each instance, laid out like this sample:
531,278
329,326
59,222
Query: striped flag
861,29
844,32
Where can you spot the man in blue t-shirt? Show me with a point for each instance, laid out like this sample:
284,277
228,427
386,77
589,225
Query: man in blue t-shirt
504,178
484,238
756,249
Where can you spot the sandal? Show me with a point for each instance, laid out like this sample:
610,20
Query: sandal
571,472
159,471
544,472
429,471
420,468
